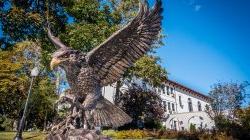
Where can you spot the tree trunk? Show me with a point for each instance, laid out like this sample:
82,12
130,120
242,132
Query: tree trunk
45,122
117,92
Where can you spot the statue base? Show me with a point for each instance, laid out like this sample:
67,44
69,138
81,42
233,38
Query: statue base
77,134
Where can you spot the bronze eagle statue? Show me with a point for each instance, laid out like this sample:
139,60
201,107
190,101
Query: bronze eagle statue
88,72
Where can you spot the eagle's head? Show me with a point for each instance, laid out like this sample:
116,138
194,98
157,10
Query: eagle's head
65,57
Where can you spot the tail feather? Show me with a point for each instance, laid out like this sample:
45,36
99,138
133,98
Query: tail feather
107,114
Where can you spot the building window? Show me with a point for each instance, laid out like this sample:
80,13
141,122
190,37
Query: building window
164,106
144,86
167,90
180,102
171,90
159,90
173,108
190,106
169,107
163,90
175,126
199,106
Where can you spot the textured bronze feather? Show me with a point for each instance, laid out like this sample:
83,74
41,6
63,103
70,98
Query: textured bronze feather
133,41
104,65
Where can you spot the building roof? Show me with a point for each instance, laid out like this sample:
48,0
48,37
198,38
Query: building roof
188,90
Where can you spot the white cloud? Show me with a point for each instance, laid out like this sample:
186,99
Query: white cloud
197,7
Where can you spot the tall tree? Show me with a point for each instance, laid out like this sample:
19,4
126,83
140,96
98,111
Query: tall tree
14,80
25,19
227,97
148,69
15,66
143,105
227,111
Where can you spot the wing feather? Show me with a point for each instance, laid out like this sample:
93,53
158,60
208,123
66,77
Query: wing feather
120,51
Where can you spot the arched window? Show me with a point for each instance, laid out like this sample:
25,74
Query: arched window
199,106
190,106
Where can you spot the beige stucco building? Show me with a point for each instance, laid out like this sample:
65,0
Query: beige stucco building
183,106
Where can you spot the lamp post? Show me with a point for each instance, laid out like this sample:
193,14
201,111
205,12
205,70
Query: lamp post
34,73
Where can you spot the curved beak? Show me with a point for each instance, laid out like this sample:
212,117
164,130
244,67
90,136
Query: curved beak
54,63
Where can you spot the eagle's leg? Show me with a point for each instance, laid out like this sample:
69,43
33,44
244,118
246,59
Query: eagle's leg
58,126
64,123
73,119
87,120
77,117
85,123
82,116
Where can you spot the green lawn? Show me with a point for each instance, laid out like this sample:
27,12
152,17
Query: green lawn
26,135
111,133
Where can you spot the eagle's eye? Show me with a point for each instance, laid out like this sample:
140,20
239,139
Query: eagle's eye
72,55
64,56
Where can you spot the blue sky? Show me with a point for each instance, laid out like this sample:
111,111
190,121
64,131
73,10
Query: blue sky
207,41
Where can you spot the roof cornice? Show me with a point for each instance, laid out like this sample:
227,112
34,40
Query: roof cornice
189,90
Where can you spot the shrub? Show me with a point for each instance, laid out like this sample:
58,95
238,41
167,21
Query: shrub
168,134
192,128
5,123
131,134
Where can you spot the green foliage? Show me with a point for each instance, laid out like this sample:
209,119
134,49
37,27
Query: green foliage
126,134
41,105
192,128
236,129
149,70
13,79
85,37
166,134
244,117
5,123
25,20
226,109
85,10
143,106
20,24
227,97
222,122
94,22
26,135
152,123
15,66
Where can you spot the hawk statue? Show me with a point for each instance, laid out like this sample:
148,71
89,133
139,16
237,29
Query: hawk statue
88,72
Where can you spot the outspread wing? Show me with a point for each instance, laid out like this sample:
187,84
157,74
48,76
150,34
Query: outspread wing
124,47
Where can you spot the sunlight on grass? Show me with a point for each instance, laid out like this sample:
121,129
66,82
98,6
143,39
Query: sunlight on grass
26,135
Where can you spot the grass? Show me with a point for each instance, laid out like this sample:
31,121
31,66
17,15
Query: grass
26,135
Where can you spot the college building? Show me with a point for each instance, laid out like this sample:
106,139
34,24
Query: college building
183,106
